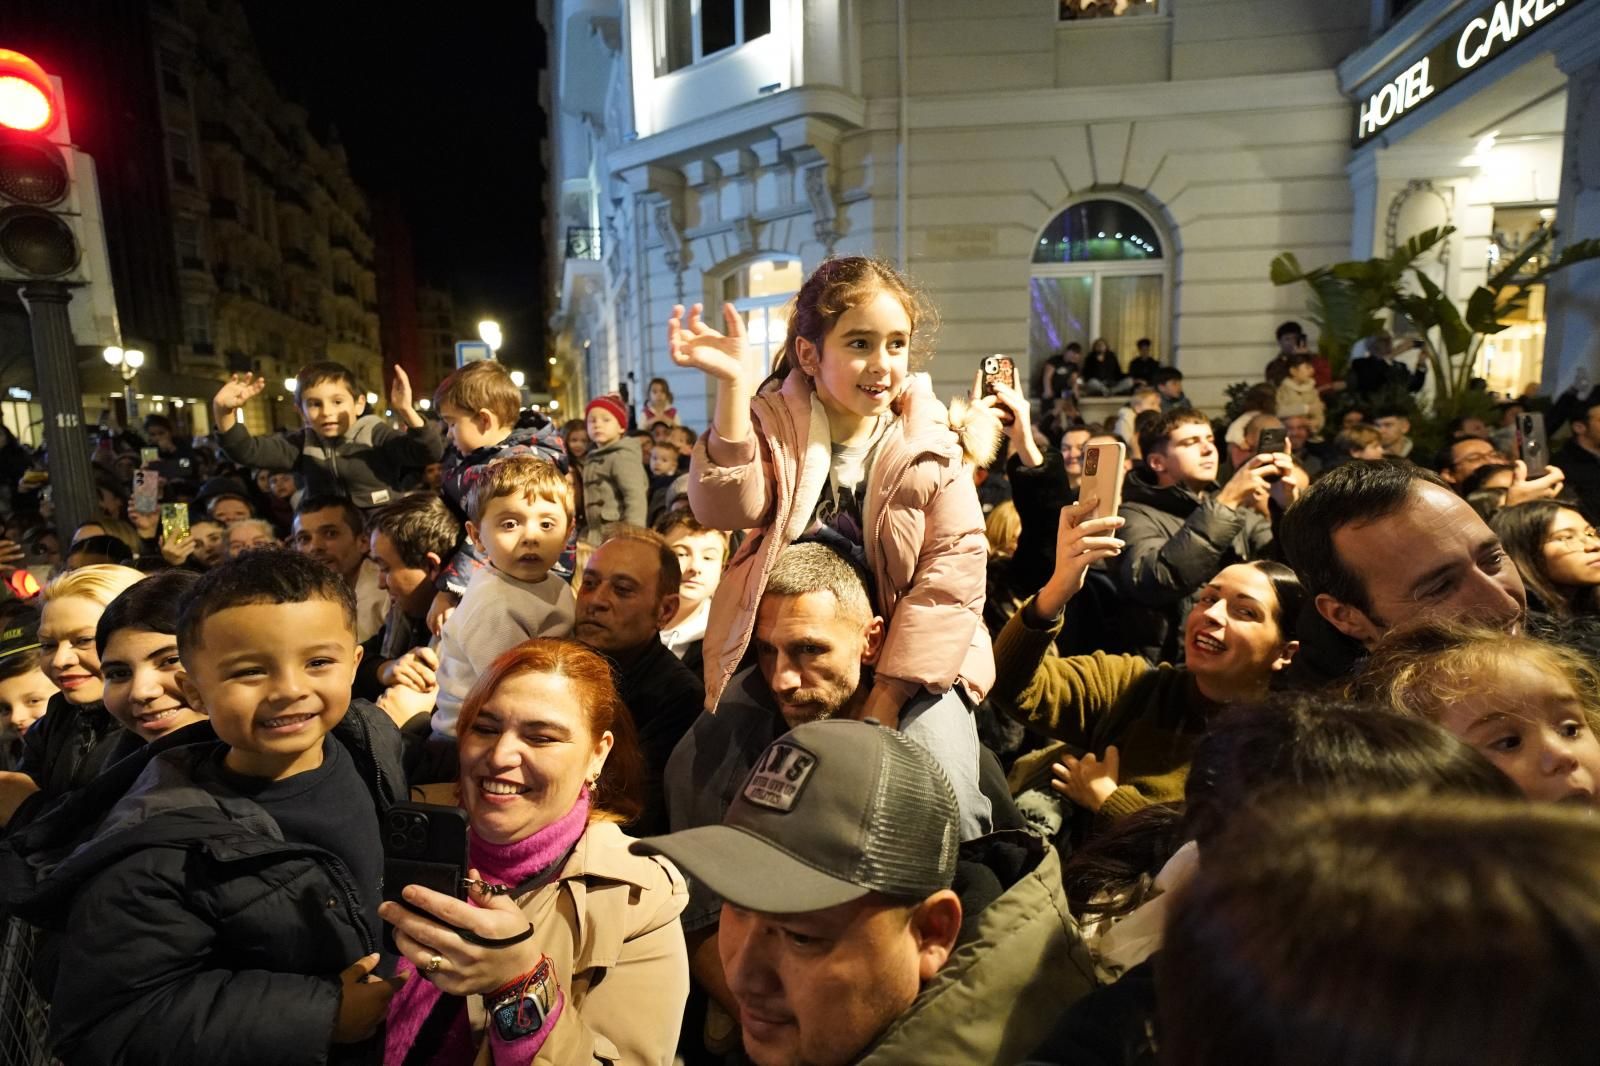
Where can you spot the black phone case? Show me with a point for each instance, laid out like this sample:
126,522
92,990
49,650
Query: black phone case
423,844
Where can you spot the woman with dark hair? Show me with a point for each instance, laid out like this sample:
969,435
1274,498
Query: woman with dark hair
1121,885
1409,931
1126,728
1557,552
136,639
572,941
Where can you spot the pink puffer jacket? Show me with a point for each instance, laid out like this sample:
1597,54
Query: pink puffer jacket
924,530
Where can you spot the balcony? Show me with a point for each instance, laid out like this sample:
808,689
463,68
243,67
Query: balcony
299,257
340,243
583,243
224,209
192,262
343,288
203,348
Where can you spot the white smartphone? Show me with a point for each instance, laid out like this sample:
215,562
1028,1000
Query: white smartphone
1103,467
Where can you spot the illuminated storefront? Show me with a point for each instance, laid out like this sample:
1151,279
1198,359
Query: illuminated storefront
1485,115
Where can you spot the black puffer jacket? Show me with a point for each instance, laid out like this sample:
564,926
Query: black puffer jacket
194,933
1176,542
66,749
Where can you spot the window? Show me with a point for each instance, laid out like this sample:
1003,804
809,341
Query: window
197,324
760,292
1080,10
1099,271
186,233
698,29
181,151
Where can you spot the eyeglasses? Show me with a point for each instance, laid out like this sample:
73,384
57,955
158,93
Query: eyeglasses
1568,539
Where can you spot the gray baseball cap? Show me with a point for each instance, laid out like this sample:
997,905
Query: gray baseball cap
832,811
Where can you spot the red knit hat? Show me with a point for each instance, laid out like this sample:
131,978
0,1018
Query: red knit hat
611,403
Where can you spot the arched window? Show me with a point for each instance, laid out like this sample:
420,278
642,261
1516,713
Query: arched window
758,291
1099,270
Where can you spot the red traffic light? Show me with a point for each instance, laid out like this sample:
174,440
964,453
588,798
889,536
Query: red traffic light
27,100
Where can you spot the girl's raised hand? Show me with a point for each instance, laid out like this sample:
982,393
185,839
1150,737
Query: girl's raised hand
695,344
1019,430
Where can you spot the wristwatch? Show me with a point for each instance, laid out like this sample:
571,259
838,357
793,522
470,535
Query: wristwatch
523,1008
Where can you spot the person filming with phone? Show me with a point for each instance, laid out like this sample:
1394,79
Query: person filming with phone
1181,528
561,946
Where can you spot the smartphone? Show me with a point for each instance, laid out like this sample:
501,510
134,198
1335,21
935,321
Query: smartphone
146,492
1272,439
148,456
423,844
174,521
1103,467
999,368
1532,447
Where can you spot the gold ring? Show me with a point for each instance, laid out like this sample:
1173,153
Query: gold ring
434,964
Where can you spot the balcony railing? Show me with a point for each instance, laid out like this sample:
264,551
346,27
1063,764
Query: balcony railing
583,243
224,208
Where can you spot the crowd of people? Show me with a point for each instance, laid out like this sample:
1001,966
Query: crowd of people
851,727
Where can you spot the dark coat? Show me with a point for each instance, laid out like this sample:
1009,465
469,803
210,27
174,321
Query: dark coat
64,750
1176,542
1582,468
533,435
194,932
368,465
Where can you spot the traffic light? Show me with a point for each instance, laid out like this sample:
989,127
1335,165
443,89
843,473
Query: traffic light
41,214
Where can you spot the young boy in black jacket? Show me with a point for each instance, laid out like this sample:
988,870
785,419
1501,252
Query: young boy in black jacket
342,451
226,908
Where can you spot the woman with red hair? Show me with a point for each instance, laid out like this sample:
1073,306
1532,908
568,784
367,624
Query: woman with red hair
568,947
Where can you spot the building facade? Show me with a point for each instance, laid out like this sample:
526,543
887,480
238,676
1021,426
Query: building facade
1049,170
271,238
1485,116
437,333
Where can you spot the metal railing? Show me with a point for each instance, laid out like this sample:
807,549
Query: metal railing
24,1013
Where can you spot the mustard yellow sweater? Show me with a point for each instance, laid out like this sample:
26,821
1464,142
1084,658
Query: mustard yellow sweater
1153,715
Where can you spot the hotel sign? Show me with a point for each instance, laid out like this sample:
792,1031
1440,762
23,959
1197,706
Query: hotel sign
1491,30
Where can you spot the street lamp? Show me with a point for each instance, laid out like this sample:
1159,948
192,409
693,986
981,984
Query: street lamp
292,384
127,363
518,378
489,333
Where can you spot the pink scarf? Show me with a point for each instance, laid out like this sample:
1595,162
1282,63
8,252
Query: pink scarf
506,864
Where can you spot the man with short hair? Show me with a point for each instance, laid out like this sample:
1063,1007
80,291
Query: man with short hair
1168,383
1144,364
627,596
408,541
1394,428
1579,458
1459,458
1380,372
1380,544
1181,528
330,529
844,935
816,639
1241,451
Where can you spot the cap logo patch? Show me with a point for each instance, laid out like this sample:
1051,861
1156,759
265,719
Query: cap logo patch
778,778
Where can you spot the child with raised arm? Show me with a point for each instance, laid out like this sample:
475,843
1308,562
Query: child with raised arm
845,435
520,514
341,451
225,910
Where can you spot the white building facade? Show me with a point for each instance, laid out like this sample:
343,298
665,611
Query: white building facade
1048,170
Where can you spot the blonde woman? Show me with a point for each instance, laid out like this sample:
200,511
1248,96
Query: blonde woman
71,744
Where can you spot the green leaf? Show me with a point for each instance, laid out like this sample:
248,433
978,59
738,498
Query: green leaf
1507,274
1482,311
1286,270
1416,247
1452,330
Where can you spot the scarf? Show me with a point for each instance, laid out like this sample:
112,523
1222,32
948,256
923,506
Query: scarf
507,864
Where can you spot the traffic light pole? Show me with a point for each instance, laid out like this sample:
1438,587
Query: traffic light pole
56,367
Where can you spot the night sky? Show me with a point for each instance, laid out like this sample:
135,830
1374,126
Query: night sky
437,107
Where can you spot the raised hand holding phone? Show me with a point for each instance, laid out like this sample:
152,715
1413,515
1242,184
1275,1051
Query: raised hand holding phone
1081,541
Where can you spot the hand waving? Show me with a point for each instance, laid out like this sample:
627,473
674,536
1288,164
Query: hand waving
400,390
695,344
238,390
